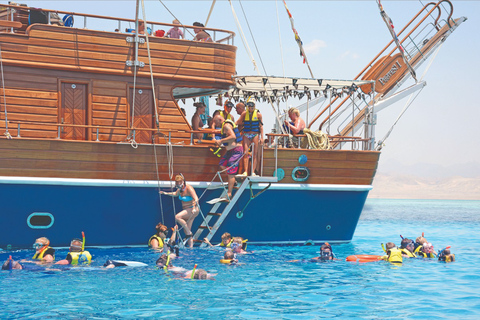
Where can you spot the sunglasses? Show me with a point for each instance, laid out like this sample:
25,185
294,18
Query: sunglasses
250,104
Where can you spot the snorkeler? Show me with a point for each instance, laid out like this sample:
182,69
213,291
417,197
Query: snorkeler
198,274
229,257
227,241
445,255
393,254
407,247
43,251
326,253
77,254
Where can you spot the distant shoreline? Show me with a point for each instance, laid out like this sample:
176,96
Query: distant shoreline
397,186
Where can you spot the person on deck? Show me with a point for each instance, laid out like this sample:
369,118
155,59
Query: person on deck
175,32
240,108
229,162
197,123
216,136
295,126
200,34
226,113
251,121
189,199
43,251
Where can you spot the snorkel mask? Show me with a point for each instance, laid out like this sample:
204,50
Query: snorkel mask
37,245
326,254
76,245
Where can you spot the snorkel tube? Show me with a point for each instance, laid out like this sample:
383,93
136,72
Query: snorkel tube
383,247
168,261
193,271
10,263
83,241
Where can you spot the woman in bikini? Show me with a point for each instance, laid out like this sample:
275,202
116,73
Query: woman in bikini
189,199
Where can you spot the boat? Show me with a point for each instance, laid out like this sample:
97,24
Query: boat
93,130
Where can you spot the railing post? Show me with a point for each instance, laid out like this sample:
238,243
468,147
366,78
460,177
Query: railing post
191,138
169,137
253,156
59,130
97,135
18,131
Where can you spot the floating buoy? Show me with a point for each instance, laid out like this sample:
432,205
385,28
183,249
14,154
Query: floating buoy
363,258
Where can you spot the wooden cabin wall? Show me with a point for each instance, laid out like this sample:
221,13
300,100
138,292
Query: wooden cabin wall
34,96
106,52
326,167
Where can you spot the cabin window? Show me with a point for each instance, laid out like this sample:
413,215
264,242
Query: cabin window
300,174
40,220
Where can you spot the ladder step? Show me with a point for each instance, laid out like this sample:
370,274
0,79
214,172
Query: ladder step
204,227
214,214
198,241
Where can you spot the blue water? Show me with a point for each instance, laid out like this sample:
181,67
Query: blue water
267,286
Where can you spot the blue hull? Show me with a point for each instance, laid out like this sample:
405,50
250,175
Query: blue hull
120,213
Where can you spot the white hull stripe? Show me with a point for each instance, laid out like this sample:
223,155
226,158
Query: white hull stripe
169,184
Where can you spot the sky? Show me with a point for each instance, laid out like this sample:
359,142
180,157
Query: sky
340,37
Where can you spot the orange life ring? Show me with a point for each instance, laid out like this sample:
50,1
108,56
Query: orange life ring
364,258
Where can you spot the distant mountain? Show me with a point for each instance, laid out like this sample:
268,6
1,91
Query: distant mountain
403,186
428,170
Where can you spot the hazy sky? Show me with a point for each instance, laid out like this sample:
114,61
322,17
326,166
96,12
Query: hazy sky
341,37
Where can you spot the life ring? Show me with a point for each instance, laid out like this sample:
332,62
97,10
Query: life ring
227,261
363,258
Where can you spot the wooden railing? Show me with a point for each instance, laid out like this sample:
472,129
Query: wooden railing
227,39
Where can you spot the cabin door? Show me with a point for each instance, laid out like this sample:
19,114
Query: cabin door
73,111
144,114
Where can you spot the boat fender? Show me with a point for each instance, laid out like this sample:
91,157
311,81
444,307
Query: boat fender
302,159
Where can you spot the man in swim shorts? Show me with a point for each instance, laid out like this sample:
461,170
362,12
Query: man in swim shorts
232,139
251,121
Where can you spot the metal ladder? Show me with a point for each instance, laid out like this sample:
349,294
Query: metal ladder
221,216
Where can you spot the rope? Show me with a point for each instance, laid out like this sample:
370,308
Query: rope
210,13
7,134
151,69
316,140
158,178
381,143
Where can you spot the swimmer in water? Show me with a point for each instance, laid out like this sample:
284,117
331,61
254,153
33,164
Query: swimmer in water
326,253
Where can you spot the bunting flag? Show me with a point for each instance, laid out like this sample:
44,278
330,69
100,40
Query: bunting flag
390,27
297,38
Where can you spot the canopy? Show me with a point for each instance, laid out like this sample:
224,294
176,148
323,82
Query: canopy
277,87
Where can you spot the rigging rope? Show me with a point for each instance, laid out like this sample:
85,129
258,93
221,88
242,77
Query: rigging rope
381,143
151,69
7,134
247,47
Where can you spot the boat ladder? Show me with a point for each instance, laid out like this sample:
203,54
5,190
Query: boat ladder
222,215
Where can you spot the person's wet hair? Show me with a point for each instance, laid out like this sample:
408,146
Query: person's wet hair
200,274
229,255
162,260
390,245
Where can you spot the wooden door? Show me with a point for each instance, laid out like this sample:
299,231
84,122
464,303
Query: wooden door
144,114
73,111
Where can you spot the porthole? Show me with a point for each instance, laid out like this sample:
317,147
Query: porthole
74,86
300,174
140,91
328,227
40,220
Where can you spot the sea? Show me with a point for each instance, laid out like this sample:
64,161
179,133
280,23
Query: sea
266,284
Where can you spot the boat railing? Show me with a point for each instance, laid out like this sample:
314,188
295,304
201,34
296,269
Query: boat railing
94,22
349,114
272,139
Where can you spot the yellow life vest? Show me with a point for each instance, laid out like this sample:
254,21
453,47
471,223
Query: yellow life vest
39,255
394,256
408,253
228,117
422,254
229,245
82,257
450,257
160,240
